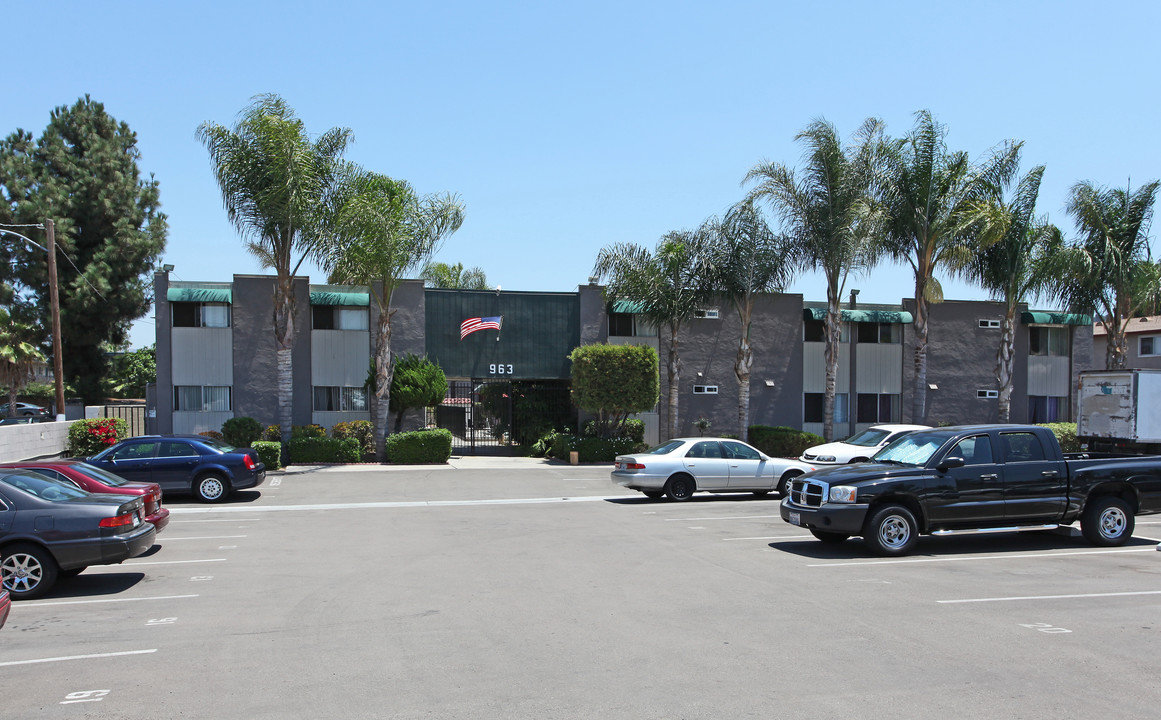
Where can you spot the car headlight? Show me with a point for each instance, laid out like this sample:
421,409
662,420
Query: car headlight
824,458
843,494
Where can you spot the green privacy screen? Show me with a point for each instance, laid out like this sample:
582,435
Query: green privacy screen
538,332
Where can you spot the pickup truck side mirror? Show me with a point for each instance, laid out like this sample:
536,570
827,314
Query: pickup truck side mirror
949,463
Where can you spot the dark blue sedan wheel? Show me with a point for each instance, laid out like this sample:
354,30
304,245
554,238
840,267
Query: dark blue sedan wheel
211,488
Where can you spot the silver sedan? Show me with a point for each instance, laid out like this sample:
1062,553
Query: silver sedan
683,466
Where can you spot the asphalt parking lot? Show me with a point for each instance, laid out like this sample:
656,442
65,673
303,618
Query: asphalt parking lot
519,589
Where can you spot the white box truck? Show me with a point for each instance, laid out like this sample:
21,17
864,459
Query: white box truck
1120,410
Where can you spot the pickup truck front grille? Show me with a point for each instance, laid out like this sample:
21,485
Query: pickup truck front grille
807,493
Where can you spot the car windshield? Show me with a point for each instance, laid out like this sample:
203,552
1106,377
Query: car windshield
663,448
914,449
42,486
867,438
101,475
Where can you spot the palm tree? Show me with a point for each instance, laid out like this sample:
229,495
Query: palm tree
18,357
830,218
670,284
1110,267
747,259
925,192
1014,265
275,183
379,231
453,277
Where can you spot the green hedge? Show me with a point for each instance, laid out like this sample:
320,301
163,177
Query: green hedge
89,437
323,450
592,449
361,430
1066,435
420,447
242,431
270,453
782,441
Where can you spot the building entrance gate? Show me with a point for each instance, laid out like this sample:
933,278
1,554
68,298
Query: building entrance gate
502,417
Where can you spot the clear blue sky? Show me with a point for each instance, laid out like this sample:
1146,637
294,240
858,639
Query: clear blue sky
566,127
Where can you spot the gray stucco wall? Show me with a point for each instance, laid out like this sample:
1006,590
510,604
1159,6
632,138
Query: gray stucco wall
255,350
163,325
594,325
407,335
710,347
960,360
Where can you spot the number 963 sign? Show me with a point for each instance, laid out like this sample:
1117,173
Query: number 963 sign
499,369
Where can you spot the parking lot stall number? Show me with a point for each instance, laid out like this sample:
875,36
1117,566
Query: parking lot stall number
161,621
84,696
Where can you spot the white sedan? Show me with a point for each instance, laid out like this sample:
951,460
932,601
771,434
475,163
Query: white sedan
683,466
858,447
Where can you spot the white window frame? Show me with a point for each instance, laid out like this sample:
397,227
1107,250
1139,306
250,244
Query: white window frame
987,394
707,314
989,324
1154,341
204,399
705,389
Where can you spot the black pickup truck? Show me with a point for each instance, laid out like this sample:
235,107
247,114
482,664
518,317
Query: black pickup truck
974,478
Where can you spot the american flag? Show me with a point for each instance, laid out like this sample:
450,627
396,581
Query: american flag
469,326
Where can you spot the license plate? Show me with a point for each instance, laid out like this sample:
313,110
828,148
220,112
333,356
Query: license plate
795,518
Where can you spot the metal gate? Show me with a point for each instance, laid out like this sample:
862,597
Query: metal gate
498,417
133,415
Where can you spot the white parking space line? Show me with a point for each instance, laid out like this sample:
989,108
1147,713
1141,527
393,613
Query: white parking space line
165,562
103,600
728,517
774,537
76,657
182,522
207,537
407,504
1050,597
1040,556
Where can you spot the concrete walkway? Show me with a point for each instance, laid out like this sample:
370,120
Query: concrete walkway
457,462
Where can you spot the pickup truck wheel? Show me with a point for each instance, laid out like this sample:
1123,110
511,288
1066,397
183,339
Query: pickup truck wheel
653,494
1108,521
891,530
27,571
211,488
829,537
680,487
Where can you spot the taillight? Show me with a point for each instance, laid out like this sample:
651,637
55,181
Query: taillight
250,464
634,466
118,520
157,497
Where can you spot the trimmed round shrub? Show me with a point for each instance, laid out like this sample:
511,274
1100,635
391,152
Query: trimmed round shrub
420,447
361,430
270,453
782,441
91,436
323,450
241,431
1066,435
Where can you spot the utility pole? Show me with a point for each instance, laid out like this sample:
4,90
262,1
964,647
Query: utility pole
57,344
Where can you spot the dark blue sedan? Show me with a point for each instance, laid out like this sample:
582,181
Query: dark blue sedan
208,468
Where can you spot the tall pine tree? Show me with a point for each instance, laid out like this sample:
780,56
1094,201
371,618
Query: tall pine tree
82,172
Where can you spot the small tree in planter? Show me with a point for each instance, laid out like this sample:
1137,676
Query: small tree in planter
416,383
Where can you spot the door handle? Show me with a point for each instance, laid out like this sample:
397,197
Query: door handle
1049,473
989,476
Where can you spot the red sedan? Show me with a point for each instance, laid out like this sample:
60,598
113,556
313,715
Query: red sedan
98,480
5,605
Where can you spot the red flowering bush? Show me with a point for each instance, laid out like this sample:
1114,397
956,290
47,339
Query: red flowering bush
88,437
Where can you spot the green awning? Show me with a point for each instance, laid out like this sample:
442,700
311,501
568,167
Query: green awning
628,306
868,316
340,298
1040,317
199,294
